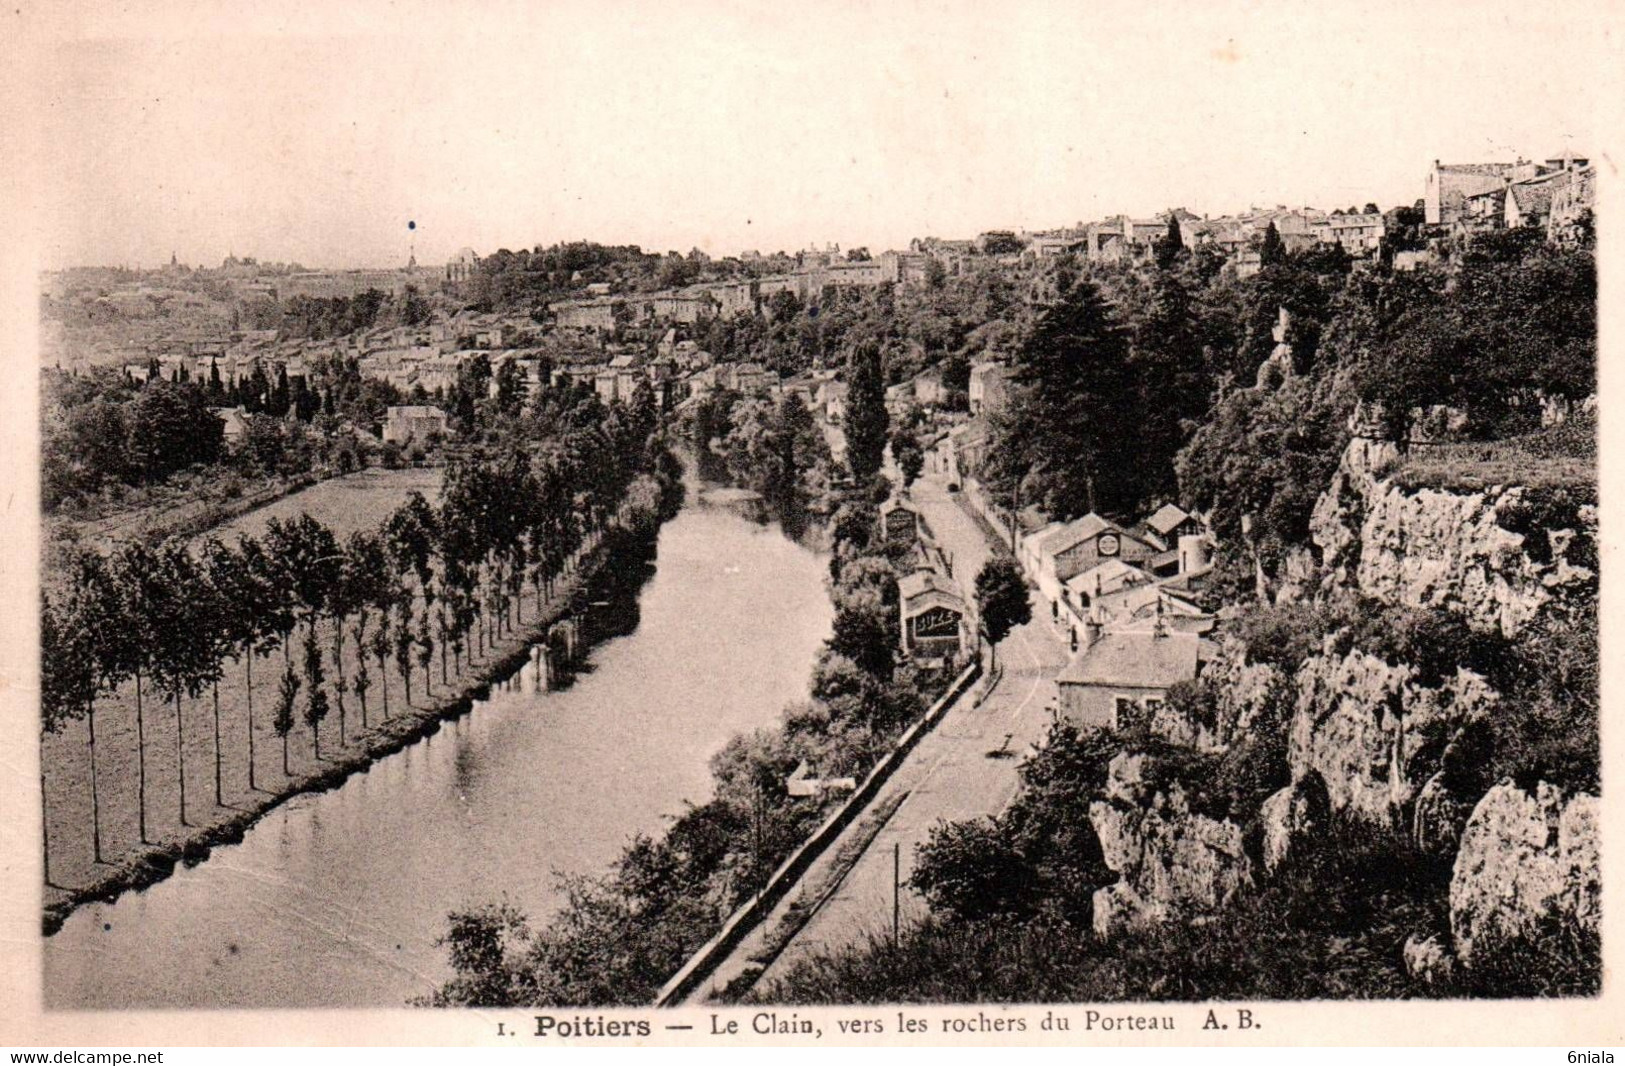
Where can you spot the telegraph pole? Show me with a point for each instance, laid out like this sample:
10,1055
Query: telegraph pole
896,889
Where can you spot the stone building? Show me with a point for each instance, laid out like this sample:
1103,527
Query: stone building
936,623
1449,185
1572,200
1122,679
989,389
402,425
462,266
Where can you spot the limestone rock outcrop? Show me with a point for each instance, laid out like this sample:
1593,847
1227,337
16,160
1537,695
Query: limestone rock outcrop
1439,818
1291,818
1528,861
1174,862
1459,551
1372,733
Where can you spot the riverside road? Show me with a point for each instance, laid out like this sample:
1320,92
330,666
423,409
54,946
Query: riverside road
949,776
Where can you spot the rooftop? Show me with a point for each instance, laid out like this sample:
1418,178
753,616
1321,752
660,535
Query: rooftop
1137,660
922,581
1167,517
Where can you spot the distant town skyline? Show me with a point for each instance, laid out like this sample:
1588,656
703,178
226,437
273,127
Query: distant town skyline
315,138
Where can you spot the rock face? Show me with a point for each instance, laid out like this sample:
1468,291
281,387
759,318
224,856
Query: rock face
1452,550
1246,693
1439,818
1371,733
1174,862
1292,817
1526,860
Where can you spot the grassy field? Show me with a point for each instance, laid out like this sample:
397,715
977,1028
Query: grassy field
359,501
1563,456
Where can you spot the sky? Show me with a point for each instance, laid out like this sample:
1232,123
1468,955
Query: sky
295,133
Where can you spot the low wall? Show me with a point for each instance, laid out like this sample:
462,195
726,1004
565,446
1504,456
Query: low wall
749,914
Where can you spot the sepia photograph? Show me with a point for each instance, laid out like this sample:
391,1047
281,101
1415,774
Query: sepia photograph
639,522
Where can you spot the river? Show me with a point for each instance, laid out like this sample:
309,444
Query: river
335,900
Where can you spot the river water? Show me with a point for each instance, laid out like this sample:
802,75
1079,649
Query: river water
335,900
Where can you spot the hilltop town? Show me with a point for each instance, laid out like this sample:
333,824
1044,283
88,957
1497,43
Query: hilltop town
277,337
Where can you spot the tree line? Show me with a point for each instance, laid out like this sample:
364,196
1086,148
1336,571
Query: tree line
432,583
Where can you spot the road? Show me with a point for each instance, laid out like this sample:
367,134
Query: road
949,776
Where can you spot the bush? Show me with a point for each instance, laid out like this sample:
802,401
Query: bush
1547,728
1283,634
1195,700
1332,925
1436,642
971,870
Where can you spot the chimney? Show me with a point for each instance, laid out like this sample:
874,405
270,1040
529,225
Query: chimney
1192,553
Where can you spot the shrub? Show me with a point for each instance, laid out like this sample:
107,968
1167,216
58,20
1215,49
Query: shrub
971,870
1331,925
1283,634
1195,700
1435,642
1548,726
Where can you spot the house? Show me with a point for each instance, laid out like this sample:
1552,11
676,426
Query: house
1143,608
1122,679
747,378
1059,551
584,314
1169,523
802,783
899,522
1448,186
1091,586
235,422
402,425
936,625
831,398
617,382
1529,203
964,449
1054,247
1358,234
989,389
1572,201
929,390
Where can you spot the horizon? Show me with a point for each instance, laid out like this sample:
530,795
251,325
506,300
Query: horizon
314,137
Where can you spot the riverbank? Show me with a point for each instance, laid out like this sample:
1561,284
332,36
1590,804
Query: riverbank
411,720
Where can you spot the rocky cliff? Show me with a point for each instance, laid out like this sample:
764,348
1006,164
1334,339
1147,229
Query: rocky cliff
1496,557
1375,740
1373,733
1174,862
1528,866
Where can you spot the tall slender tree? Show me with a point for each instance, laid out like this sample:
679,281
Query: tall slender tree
282,717
91,624
271,621
226,581
184,653
866,418
139,585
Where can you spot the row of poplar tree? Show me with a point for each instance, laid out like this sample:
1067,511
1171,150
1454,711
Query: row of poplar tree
431,581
